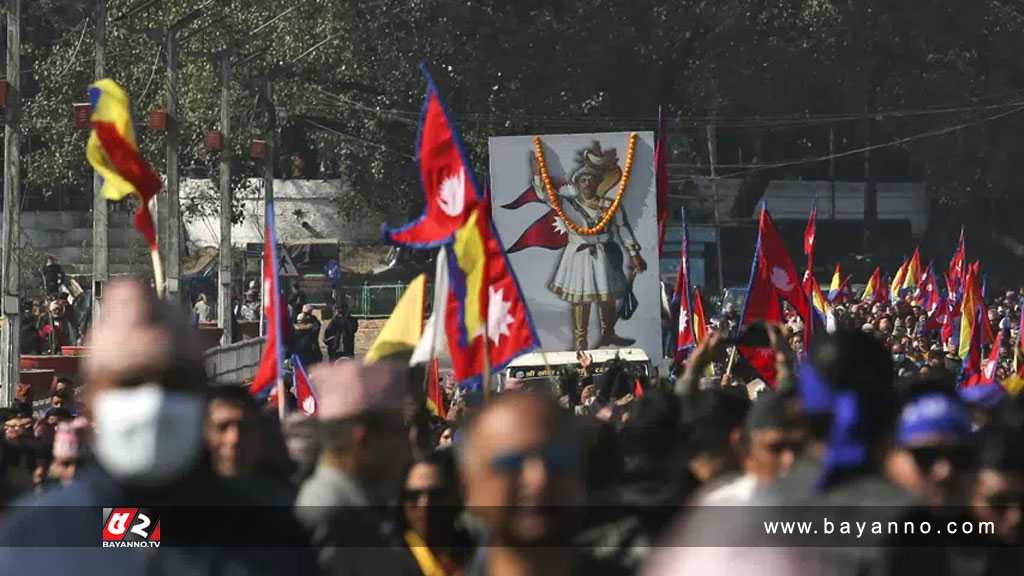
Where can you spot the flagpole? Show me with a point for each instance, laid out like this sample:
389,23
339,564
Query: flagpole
486,376
281,398
158,271
728,367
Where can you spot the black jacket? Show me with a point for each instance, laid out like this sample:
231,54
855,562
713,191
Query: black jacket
207,526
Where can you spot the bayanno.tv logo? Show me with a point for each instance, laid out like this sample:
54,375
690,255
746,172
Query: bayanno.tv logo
131,528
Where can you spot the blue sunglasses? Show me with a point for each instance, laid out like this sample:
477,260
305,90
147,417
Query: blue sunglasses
557,458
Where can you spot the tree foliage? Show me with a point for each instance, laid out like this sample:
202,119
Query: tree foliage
774,76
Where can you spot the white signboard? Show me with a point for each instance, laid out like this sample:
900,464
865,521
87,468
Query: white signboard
579,286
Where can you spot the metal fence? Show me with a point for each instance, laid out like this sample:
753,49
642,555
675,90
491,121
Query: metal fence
376,301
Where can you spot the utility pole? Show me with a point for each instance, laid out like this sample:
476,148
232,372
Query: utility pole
268,160
268,164
712,135
100,255
832,166
224,292
10,347
172,249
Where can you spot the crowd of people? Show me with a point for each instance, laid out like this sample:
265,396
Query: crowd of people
52,321
310,337
594,472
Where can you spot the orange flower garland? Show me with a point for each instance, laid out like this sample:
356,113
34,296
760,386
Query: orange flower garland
556,203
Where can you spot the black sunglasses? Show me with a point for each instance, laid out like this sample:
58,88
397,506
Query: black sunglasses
414,495
926,456
1006,499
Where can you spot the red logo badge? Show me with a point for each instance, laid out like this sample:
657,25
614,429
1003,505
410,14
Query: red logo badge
131,528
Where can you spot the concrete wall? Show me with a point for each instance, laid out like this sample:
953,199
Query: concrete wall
235,363
68,237
303,209
791,199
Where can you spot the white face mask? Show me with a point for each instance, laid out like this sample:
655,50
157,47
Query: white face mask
147,435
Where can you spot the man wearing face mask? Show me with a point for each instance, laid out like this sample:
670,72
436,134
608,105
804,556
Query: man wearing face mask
146,391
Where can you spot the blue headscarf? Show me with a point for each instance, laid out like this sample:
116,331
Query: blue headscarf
815,392
847,448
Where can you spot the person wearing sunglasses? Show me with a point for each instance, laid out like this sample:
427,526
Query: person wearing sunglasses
769,444
998,494
428,513
520,464
933,456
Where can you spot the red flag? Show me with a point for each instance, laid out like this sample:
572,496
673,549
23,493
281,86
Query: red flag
661,178
991,365
303,389
955,275
484,292
685,336
527,197
275,311
638,388
884,291
449,185
763,299
547,232
810,234
779,267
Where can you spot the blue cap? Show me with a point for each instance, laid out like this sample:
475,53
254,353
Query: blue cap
933,415
984,395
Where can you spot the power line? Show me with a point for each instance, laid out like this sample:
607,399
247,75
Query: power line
360,139
789,121
861,150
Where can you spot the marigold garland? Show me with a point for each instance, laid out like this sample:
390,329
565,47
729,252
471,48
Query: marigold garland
556,203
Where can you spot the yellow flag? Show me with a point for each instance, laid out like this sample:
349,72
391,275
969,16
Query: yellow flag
1014,384
404,327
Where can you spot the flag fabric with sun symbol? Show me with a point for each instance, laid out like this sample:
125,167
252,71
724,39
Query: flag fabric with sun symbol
449,186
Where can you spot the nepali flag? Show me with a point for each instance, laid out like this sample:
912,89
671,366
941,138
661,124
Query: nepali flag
114,154
976,372
956,273
950,333
484,301
449,185
548,231
275,312
927,292
772,279
686,338
303,389
661,178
